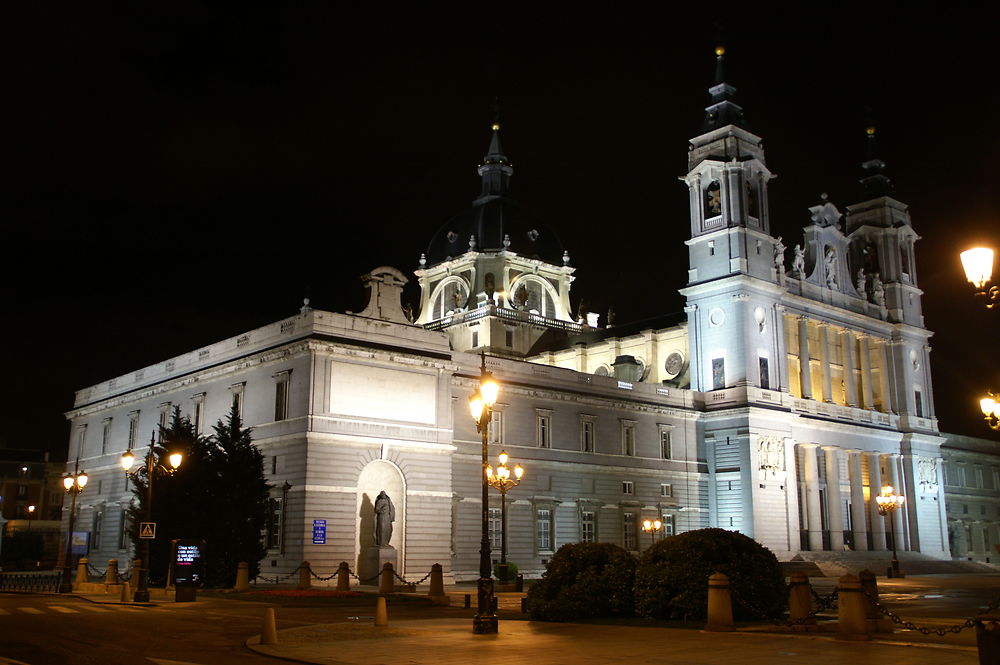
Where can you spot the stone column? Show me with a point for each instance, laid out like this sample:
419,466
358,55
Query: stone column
814,519
866,373
781,362
835,504
892,466
859,519
805,378
875,487
824,341
883,357
850,378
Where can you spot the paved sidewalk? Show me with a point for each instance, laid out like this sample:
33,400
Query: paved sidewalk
451,642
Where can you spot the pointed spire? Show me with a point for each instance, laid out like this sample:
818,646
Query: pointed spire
722,111
874,181
495,169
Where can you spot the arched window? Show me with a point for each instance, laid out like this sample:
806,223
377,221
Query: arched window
713,199
752,207
539,295
451,295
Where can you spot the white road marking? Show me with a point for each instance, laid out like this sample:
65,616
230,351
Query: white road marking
64,610
30,610
95,608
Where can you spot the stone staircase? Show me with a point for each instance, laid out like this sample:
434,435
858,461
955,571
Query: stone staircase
836,564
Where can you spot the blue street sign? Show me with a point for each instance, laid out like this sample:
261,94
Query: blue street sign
319,532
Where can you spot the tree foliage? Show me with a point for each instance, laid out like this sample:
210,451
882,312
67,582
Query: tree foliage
672,579
584,580
218,495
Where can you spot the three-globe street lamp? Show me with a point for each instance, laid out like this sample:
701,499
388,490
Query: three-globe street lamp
889,503
501,480
74,484
652,528
152,466
481,405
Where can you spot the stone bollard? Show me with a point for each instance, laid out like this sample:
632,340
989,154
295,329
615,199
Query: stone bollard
82,577
111,576
437,581
381,615
988,639
242,577
344,577
305,581
800,601
877,622
126,593
269,631
851,622
720,604
386,584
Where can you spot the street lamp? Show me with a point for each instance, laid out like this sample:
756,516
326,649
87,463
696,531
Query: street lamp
31,511
74,484
152,467
481,406
502,481
978,265
652,528
889,503
990,406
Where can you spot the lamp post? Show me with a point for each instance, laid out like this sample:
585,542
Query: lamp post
481,405
889,503
152,466
31,511
74,484
652,528
501,480
978,265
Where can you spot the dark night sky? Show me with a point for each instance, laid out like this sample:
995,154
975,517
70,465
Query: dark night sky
180,175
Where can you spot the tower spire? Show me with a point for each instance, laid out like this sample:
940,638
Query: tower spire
722,110
874,181
495,169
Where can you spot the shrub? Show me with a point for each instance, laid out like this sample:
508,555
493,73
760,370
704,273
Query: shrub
511,572
672,579
584,580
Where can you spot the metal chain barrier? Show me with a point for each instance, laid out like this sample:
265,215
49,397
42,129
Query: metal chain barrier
928,630
322,579
827,603
823,604
277,578
365,581
420,581
95,571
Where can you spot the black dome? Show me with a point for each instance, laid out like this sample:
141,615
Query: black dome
490,219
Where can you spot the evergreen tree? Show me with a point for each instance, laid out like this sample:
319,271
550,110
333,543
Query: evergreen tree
241,498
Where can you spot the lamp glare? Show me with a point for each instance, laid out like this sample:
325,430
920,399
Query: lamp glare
175,459
67,482
987,404
978,265
128,459
489,389
518,471
81,480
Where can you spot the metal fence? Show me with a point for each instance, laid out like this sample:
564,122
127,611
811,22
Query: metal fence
31,582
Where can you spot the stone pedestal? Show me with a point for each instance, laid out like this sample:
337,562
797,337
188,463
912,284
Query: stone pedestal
373,560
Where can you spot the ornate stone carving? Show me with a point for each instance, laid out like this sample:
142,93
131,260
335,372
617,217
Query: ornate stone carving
927,473
771,453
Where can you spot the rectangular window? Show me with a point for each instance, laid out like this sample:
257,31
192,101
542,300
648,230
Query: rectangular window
666,451
628,438
765,374
587,530
628,487
543,430
281,395
718,373
22,491
628,531
133,428
496,427
918,403
81,437
496,529
509,338
668,524
98,530
475,338
164,415
105,435
543,522
198,416
237,390
123,529
666,490
275,519
587,435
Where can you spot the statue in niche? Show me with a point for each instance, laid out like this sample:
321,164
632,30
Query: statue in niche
862,280
408,311
799,261
457,297
582,311
385,515
779,255
521,297
490,285
878,291
830,260
713,199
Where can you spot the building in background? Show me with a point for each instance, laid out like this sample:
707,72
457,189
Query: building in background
31,499
788,393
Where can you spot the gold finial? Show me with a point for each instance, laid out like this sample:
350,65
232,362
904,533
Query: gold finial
870,131
496,126
720,50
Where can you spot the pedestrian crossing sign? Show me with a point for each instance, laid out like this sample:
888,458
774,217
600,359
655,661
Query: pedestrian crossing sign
147,530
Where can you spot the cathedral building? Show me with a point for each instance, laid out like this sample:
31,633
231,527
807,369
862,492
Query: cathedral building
790,391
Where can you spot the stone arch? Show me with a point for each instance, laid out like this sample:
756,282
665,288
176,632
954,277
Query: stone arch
542,297
442,300
376,476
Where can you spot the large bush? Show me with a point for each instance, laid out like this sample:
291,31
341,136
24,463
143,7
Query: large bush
584,580
672,579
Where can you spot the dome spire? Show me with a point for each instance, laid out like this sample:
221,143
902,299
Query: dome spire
722,110
874,181
495,169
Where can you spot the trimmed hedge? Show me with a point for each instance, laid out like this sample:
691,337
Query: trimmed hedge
584,580
672,578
